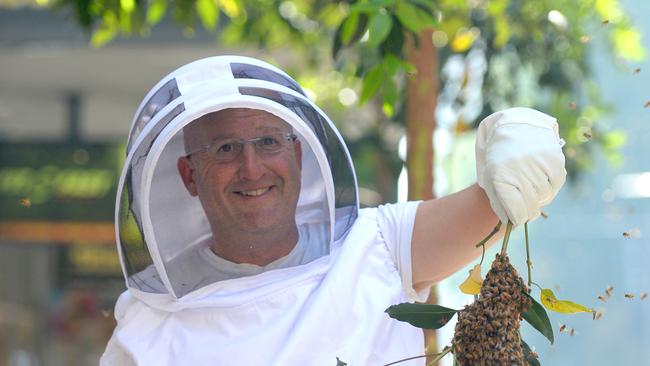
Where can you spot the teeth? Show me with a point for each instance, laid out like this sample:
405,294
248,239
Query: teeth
255,192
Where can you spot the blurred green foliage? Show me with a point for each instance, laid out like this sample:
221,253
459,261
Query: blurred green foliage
536,51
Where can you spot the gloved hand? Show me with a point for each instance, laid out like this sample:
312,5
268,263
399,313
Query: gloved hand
519,162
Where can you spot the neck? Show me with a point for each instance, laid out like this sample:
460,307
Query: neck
259,248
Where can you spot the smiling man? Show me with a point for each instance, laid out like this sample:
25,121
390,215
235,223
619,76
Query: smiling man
244,166
241,237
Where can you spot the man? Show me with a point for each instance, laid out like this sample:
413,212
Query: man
242,242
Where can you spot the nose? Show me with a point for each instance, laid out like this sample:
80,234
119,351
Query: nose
251,166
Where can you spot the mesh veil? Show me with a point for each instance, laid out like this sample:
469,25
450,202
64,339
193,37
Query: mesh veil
156,220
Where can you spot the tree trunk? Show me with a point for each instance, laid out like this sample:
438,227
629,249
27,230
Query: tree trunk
421,97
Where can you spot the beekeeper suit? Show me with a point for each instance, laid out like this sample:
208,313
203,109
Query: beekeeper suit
240,234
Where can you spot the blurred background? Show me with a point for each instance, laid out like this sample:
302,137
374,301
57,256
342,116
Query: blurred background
73,72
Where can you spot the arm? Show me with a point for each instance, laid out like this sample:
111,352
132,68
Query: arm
520,168
445,233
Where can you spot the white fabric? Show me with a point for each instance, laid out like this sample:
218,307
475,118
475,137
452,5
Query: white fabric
519,162
328,308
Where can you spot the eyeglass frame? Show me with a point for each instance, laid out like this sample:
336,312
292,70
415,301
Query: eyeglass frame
288,137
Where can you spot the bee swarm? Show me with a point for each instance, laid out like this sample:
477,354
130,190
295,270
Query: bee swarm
487,331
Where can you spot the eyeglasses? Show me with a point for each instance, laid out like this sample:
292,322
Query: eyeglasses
226,150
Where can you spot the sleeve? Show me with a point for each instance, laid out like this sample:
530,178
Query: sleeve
396,223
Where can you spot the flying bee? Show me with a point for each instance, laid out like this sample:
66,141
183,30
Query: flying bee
605,22
571,332
627,234
572,106
562,328
602,298
544,214
597,314
647,104
637,70
643,296
584,39
629,296
609,290
25,202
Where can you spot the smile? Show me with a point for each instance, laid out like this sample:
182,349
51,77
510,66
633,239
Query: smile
255,192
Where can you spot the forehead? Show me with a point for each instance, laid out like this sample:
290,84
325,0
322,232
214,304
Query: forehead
238,121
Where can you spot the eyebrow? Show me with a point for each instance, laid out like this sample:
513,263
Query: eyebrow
261,129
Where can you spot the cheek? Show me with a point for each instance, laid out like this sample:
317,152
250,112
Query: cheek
211,183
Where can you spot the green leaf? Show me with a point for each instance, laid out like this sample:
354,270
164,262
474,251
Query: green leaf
394,42
102,35
528,354
156,11
349,28
413,18
537,317
378,28
371,82
370,6
426,4
127,5
208,13
426,316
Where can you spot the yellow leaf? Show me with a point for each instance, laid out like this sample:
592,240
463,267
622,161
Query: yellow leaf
627,42
127,5
561,306
463,40
472,285
232,8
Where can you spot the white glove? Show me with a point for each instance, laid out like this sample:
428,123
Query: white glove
519,162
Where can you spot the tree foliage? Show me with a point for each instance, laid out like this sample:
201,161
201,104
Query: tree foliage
535,52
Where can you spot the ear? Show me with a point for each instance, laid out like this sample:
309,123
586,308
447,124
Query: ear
298,152
186,171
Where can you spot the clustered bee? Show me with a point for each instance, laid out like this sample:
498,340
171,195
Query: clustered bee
487,331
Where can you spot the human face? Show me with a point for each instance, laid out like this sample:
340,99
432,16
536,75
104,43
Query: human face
252,193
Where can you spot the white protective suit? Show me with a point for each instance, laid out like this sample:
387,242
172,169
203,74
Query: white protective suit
329,303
